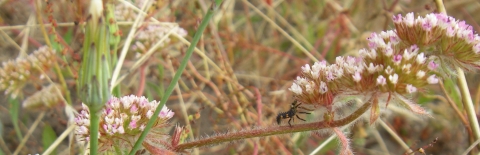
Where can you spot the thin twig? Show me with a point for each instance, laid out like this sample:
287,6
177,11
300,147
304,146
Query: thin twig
59,139
183,109
30,131
395,136
471,147
455,108
295,42
127,43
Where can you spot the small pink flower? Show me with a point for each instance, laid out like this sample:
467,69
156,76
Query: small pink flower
397,59
381,80
443,20
414,48
432,65
397,18
406,68
429,22
421,58
371,68
394,39
409,19
420,74
408,55
120,129
388,50
476,48
356,77
372,41
165,113
432,79
306,68
142,127
82,130
330,76
149,114
132,124
133,109
411,89
450,31
295,88
389,70
427,26
323,88
393,78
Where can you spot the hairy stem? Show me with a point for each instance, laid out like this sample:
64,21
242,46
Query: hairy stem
462,82
275,130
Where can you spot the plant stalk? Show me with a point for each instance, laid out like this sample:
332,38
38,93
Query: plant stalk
94,119
468,104
275,130
196,38
462,82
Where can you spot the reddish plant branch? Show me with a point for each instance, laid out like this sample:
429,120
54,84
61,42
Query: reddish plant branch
141,86
259,105
274,130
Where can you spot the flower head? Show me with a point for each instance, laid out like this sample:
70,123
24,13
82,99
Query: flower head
15,74
451,40
122,120
48,97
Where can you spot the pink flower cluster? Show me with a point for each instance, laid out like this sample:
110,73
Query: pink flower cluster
122,119
454,42
397,63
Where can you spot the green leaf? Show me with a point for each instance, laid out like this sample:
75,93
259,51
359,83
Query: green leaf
68,37
453,92
13,110
48,137
55,45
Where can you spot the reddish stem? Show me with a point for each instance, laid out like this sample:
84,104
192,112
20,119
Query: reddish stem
259,106
30,39
141,87
255,148
281,146
273,130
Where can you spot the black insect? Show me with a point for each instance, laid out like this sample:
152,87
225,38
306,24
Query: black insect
292,113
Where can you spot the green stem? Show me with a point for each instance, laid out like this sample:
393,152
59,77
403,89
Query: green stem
175,79
275,130
462,81
468,104
94,123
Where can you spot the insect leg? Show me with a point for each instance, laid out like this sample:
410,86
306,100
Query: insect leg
300,118
301,112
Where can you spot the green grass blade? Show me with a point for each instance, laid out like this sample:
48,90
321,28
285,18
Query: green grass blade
175,79
14,108
48,137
